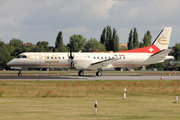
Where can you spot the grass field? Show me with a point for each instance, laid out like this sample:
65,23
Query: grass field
75,100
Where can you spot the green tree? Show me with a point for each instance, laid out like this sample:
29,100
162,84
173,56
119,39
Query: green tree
115,41
146,40
135,39
42,46
16,44
103,36
141,45
102,47
130,41
93,44
31,48
110,39
176,52
108,43
5,55
77,43
62,48
59,40
59,46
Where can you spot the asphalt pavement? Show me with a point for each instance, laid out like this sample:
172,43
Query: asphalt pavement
85,78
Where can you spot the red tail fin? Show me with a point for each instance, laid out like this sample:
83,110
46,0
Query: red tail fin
150,49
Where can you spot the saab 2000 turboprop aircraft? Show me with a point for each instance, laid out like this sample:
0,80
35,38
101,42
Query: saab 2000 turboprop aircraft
157,52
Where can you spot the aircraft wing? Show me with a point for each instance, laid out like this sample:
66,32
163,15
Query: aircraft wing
104,63
86,63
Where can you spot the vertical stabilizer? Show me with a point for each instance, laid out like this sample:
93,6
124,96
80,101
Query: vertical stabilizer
162,40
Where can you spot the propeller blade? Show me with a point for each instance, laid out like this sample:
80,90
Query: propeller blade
71,58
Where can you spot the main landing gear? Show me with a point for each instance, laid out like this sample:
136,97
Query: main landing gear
81,73
19,74
98,73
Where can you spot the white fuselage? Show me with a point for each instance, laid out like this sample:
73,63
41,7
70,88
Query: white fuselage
60,60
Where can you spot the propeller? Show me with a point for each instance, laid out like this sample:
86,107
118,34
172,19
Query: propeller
71,58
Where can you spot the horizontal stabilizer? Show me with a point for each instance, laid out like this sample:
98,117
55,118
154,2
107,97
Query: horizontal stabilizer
159,56
162,53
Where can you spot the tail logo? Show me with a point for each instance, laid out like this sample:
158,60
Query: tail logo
162,41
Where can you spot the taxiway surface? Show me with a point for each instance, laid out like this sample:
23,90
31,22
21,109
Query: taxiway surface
85,78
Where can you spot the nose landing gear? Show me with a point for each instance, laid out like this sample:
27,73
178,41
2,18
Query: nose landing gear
19,74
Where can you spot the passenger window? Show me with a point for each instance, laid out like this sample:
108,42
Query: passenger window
97,57
55,57
109,57
124,57
47,57
59,57
101,57
51,57
94,57
62,57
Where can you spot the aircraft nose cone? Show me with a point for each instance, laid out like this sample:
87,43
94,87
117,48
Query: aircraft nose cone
9,63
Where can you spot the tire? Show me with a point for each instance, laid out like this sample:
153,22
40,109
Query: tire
98,73
81,73
19,74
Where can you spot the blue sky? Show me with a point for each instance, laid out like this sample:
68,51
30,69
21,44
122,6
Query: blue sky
41,20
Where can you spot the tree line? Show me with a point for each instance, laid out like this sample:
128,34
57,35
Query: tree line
109,41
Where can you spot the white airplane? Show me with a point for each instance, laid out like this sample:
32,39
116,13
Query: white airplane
157,52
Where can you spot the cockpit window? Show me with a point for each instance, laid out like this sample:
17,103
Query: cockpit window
24,56
19,56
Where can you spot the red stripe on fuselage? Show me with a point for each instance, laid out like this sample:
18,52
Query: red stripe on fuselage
150,49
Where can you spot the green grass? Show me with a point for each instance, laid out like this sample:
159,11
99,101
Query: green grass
75,100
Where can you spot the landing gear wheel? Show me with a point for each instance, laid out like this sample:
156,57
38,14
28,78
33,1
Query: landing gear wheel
98,73
80,73
19,74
